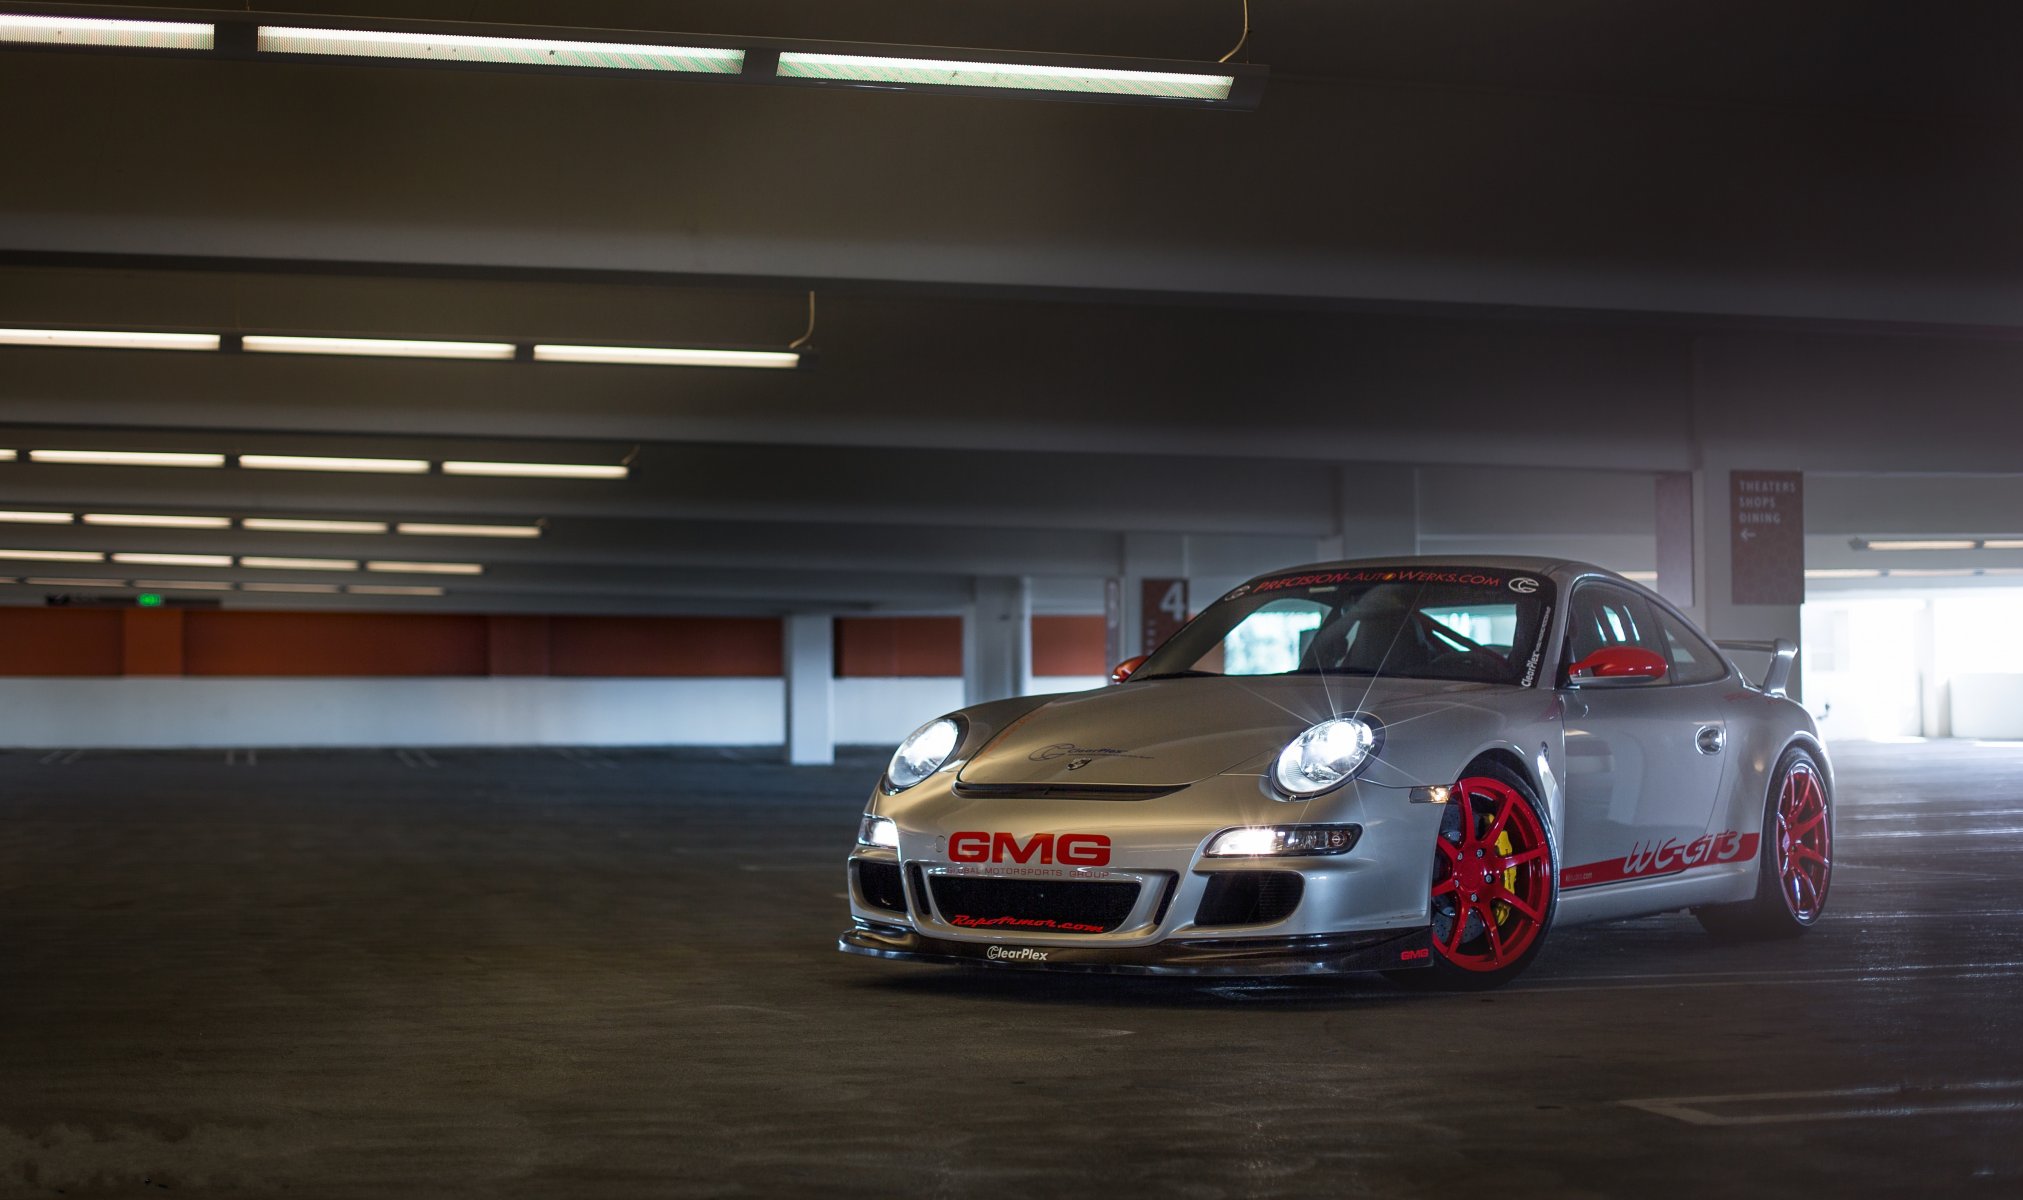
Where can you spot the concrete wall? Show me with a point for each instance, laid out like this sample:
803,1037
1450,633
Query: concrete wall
184,712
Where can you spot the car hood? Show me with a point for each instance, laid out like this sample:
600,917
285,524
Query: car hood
1174,732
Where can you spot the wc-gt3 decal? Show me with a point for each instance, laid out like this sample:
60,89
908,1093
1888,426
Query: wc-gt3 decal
1668,857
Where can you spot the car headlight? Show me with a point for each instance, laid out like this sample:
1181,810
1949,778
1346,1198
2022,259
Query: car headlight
1325,756
878,831
922,753
1283,841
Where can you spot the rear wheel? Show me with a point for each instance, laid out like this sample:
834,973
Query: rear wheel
1794,861
1495,883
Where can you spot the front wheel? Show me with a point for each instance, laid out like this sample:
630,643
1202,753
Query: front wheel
1794,860
1495,884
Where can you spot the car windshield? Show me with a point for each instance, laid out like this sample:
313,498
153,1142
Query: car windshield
1464,623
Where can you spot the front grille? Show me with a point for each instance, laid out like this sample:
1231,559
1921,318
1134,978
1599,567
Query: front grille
878,883
1033,905
1249,897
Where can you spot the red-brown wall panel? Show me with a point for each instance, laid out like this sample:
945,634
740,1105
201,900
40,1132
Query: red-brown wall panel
222,642
664,646
1070,646
152,641
885,646
61,641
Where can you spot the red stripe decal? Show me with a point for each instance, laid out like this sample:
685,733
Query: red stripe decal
1668,857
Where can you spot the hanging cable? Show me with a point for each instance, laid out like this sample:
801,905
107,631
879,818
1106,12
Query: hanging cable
1240,42
801,341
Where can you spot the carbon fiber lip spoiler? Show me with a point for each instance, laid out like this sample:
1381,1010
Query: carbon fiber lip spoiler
1324,954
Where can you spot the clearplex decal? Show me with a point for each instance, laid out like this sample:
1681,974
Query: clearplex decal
1015,954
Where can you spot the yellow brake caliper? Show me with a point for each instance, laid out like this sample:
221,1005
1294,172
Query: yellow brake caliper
1501,908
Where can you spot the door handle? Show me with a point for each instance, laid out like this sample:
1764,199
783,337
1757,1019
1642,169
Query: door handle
1710,739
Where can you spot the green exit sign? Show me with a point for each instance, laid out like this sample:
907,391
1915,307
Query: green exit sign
150,599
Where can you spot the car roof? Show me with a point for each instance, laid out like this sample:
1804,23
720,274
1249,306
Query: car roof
1559,569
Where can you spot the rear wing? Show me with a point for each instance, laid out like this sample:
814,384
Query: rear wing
1783,652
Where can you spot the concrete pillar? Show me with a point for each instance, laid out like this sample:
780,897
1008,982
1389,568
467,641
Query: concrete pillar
1713,599
1376,512
809,671
997,642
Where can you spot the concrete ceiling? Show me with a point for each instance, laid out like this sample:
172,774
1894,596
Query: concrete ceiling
1578,237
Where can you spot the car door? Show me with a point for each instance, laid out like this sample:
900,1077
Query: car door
1645,759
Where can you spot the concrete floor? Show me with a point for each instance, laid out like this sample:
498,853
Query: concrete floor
611,974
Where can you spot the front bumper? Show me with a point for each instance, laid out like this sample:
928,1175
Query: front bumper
1318,954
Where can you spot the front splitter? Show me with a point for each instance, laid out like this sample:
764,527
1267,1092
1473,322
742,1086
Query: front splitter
1321,954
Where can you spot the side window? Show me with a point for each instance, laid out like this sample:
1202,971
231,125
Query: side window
1693,660
1604,616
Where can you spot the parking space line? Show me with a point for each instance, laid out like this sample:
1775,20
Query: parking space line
1856,1103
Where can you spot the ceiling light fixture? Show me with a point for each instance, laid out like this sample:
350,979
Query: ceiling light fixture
271,563
538,470
87,583
298,525
54,555
374,347
35,518
867,70
1924,544
126,458
156,521
500,51
152,559
183,585
96,31
102,339
1843,573
318,462
425,568
426,529
2002,544
668,356
380,589
321,588
1929,572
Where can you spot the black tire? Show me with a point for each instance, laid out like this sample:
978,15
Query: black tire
1774,911
1539,882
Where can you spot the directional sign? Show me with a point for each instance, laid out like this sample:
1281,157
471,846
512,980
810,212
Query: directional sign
1162,609
1766,537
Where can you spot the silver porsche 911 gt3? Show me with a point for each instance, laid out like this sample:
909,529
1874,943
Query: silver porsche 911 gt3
1369,765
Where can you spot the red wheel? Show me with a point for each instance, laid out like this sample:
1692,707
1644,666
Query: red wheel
1804,842
1794,867
1494,883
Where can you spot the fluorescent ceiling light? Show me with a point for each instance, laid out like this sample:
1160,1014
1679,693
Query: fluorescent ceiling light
317,462
157,521
495,531
99,339
1030,77
519,52
538,470
1843,573
380,589
126,458
35,518
7,456
295,525
324,588
90,583
94,31
183,585
2003,544
54,555
1929,572
152,559
269,563
1641,576
665,356
1926,544
425,568
375,347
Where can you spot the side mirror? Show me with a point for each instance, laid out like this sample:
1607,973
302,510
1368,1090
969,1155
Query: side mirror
1615,665
1124,669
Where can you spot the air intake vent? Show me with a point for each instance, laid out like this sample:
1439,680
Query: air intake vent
878,885
1249,897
